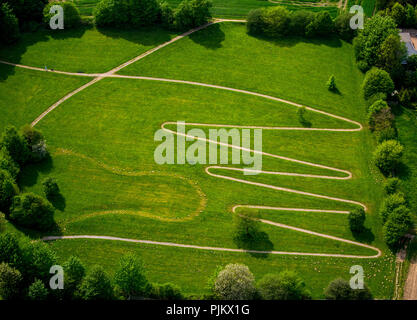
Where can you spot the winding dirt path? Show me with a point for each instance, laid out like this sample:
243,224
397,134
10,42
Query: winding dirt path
348,175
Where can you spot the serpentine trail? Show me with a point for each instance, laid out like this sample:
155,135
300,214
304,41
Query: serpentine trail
208,169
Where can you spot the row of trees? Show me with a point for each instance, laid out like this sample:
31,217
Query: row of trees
140,13
279,22
18,149
236,282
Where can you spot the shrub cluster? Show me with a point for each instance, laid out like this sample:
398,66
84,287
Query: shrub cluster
72,18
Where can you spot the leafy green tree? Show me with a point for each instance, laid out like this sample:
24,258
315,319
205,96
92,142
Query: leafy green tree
255,22
342,26
74,273
130,276
397,225
111,13
391,185
166,15
2,222
277,21
166,291
10,251
50,187
410,16
285,286
8,164
9,25
8,189
143,13
72,18
369,40
235,282
299,20
247,225
32,211
390,203
10,282
15,145
27,11
37,291
357,219
387,156
340,289
331,83
96,285
376,81
192,13
35,142
322,25
398,13
391,53
380,116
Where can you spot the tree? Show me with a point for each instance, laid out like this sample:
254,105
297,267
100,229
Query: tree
247,225
391,185
255,22
235,282
357,219
111,13
285,286
37,291
2,222
10,282
299,20
340,289
8,164
398,13
166,291
410,16
166,15
342,26
8,189
322,25
380,116
391,53
74,273
277,21
72,18
143,13
27,11
192,13
391,202
387,155
130,276
96,285
32,211
397,225
50,187
369,40
9,25
35,142
10,251
331,83
15,145
376,81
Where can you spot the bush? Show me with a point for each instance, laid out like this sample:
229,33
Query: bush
331,83
376,81
363,66
235,282
391,185
357,219
285,286
301,111
385,134
380,116
10,282
27,11
74,272
143,13
130,276
342,26
72,18
277,21
2,222
398,223
32,211
9,26
166,16
8,164
255,22
398,14
111,13
166,291
8,189
322,25
37,291
50,187
35,142
192,13
387,156
390,203
299,20
15,145
340,289
10,251
375,97
96,285
410,16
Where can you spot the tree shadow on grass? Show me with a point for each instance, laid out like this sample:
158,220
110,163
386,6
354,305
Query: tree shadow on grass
29,174
149,36
210,38
291,41
55,230
403,171
58,201
259,242
365,236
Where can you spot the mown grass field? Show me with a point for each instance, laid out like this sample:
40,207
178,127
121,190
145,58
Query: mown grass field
102,144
